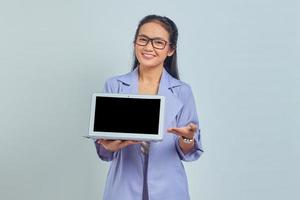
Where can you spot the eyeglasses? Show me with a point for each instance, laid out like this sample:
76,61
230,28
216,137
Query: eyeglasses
157,43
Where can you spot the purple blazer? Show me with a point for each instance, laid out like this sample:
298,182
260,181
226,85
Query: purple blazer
166,175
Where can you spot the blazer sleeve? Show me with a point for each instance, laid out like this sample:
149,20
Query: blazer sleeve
110,86
188,115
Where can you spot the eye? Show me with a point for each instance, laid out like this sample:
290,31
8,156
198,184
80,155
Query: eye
142,39
159,42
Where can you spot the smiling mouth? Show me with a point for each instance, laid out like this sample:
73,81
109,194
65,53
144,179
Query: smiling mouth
146,55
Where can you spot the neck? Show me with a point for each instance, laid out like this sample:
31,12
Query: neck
150,74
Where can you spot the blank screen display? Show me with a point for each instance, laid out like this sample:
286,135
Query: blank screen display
127,115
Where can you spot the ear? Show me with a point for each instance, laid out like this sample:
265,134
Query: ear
171,52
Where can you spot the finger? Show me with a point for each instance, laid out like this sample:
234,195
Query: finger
125,143
177,132
101,141
116,142
175,129
190,127
182,130
110,142
135,142
170,129
193,126
187,131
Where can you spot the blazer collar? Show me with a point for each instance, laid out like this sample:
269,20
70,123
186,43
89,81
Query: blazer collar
166,82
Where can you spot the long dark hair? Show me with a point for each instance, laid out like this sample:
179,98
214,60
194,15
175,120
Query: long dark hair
170,62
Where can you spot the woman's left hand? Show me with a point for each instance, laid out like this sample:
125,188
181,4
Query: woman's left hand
186,131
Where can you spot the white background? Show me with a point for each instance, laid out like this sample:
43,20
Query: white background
241,58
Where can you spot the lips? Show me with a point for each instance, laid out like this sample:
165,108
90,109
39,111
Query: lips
148,55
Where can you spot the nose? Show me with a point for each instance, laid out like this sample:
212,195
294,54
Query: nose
149,46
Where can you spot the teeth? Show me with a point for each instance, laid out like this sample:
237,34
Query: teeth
148,55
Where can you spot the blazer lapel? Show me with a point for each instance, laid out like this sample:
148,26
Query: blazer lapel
129,82
172,104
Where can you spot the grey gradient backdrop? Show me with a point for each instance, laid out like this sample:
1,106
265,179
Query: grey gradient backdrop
241,58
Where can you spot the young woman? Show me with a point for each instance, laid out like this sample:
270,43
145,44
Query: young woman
143,170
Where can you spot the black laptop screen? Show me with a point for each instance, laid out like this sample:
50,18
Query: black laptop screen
127,115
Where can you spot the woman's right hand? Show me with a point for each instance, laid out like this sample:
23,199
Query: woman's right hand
115,145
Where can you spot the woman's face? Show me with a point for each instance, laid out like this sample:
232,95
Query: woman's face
152,54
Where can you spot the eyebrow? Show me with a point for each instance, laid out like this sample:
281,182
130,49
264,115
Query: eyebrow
143,35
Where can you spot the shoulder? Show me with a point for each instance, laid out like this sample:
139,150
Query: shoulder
114,80
111,81
184,94
112,84
182,91
180,88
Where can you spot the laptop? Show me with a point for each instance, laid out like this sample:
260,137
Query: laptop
127,117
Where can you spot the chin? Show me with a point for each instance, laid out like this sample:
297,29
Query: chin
149,65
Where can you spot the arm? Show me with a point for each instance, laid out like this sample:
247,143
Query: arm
189,152
188,115
186,135
103,153
109,87
108,149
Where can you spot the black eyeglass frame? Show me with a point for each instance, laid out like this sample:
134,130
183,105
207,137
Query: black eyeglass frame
151,40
